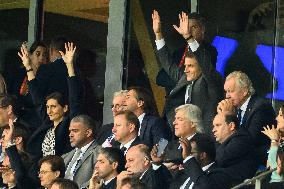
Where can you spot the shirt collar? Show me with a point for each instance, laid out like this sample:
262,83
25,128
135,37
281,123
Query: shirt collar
141,117
190,137
85,148
128,144
207,166
108,181
245,105
143,174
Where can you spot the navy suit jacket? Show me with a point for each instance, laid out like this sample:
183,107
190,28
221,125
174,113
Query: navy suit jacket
110,185
259,113
153,129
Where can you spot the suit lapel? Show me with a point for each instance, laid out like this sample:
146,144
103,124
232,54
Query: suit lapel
87,154
181,83
143,126
248,114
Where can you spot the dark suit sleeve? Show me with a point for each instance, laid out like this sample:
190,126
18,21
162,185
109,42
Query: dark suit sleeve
75,96
216,179
160,130
17,165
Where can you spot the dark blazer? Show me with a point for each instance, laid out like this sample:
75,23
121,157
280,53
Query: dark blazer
237,157
173,153
259,113
86,166
105,132
110,185
213,178
164,80
153,129
206,91
21,168
62,141
137,141
157,179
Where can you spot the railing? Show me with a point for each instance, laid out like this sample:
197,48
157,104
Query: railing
257,179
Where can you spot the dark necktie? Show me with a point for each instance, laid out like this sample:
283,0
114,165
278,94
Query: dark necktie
239,115
188,184
123,149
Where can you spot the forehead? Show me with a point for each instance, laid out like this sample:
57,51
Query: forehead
194,22
219,119
45,165
76,125
230,83
120,118
180,113
131,93
52,102
40,49
118,99
101,157
190,61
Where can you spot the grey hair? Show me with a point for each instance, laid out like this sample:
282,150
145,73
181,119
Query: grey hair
242,80
85,120
192,113
120,93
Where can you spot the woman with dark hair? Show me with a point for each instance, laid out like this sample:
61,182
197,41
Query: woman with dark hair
52,137
276,136
51,168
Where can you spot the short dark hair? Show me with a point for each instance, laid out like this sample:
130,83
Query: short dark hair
58,43
134,183
148,99
20,130
7,99
196,16
114,155
190,55
131,118
232,118
58,97
206,144
56,163
37,44
87,121
65,183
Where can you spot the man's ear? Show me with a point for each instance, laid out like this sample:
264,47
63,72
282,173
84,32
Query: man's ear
10,109
232,126
140,103
65,108
114,165
89,132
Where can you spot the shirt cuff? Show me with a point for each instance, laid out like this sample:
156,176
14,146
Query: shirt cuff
160,43
155,167
187,158
193,45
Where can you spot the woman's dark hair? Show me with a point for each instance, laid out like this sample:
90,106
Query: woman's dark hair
58,97
282,109
37,44
56,163
280,155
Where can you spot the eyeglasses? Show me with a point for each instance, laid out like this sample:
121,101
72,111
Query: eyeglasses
43,172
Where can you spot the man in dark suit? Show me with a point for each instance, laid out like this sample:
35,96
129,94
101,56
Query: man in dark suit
200,84
125,130
253,112
203,150
105,136
80,161
151,127
138,164
192,29
109,164
187,124
61,183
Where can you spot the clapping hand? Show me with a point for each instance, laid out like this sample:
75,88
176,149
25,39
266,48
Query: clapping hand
183,27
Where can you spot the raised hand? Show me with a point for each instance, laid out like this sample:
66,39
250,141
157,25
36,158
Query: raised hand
9,134
121,176
24,55
186,147
95,182
70,49
225,106
154,157
183,27
271,133
156,24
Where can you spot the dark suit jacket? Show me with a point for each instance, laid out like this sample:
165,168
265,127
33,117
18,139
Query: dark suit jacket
86,166
110,185
105,132
137,141
213,178
164,80
259,113
157,179
206,91
237,157
21,167
153,129
62,141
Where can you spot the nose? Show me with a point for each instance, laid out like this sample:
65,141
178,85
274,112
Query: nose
48,110
228,95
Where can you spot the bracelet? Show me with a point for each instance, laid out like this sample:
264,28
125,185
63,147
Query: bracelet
274,141
29,70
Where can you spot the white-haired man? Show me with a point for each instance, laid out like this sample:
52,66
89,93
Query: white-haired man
253,112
